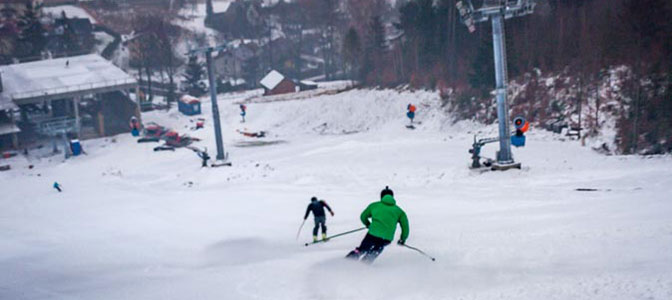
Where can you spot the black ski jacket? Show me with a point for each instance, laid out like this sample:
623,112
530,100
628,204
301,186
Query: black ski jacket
317,207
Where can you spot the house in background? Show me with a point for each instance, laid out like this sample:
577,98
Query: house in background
241,19
71,36
275,83
47,3
306,85
230,63
79,96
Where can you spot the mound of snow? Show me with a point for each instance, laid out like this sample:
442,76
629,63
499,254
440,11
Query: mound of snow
345,113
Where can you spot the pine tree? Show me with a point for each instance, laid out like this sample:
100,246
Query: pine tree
8,43
426,27
32,34
352,49
209,10
376,47
69,41
193,75
482,75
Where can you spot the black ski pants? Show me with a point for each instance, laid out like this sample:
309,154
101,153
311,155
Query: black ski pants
370,248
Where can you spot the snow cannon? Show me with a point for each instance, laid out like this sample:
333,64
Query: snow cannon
521,125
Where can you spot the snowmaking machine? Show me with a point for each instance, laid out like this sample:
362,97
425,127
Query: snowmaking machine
517,140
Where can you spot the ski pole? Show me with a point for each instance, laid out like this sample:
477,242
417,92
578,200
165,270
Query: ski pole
300,227
337,235
419,251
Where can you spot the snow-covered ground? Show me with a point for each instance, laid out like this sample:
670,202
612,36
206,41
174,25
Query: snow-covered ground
136,224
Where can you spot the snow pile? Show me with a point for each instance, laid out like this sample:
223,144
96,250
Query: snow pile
349,112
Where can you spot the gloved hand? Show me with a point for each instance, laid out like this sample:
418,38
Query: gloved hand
401,242
332,213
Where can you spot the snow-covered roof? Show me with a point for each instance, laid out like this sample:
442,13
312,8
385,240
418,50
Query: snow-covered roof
62,77
71,11
8,128
272,79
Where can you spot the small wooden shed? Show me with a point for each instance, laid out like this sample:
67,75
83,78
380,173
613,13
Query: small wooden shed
275,83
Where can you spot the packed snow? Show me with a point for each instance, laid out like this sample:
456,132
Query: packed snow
132,223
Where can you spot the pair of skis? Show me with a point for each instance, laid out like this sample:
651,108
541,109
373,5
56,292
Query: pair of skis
333,236
356,230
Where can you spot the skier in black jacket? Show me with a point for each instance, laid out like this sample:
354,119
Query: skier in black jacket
317,207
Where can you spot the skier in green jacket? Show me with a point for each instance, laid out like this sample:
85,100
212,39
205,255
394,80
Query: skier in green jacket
384,215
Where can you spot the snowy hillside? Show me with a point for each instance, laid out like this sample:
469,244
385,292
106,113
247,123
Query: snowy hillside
132,223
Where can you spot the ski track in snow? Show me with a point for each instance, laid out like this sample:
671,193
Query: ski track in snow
137,224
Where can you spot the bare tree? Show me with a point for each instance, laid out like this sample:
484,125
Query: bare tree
153,48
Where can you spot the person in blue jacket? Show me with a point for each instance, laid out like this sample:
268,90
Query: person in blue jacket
243,111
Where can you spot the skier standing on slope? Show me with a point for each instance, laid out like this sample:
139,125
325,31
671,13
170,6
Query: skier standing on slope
204,157
317,207
243,112
135,126
384,215
411,112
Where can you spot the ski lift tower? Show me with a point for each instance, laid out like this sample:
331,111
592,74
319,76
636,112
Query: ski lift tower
498,11
222,157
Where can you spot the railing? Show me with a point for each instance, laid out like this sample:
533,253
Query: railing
57,126
72,88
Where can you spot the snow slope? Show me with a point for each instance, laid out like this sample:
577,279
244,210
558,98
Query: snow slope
137,224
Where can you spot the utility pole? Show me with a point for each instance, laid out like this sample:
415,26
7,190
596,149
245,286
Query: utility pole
497,11
221,157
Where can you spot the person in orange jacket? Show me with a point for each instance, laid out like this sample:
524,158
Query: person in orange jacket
411,112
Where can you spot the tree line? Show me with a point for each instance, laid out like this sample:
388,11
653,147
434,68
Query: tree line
426,46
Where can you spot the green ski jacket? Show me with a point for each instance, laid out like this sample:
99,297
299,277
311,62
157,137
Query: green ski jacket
385,215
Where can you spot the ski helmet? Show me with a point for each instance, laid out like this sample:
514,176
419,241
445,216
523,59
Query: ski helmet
313,199
386,191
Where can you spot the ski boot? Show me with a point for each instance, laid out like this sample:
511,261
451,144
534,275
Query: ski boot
324,237
354,254
314,239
